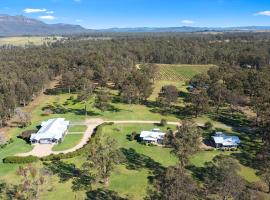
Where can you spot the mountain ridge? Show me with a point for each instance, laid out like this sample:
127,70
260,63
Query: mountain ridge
20,25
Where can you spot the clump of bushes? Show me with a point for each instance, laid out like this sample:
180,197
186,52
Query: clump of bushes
132,136
47,112
20,160
163,122
26,135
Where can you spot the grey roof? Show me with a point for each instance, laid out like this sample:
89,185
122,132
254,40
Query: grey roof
51,129
226,140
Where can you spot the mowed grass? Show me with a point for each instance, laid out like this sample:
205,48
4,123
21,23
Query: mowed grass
77,129
22,41
70,141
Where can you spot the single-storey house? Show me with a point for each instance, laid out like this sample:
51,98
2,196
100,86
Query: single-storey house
51,131
222,140
153,136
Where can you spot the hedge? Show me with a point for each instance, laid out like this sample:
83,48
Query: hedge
20,160
80,151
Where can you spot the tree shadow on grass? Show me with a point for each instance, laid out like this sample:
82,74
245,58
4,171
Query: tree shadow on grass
103,194
178,111
136,161
80,178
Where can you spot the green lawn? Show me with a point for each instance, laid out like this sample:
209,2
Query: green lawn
77,128
70,141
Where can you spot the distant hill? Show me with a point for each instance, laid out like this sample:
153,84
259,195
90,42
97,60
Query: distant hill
21,25
187,29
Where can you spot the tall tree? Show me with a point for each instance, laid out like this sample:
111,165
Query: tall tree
186,141
102,156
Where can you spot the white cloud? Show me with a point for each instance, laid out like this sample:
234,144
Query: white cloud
79,20
34,10
50,12
265,13
186,21
47,17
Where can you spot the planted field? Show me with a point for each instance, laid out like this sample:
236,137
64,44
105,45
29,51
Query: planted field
22,41
178,73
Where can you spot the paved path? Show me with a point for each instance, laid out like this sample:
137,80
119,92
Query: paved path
41,150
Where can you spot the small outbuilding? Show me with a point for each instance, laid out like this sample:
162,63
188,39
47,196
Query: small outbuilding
153,136
221,140
51,131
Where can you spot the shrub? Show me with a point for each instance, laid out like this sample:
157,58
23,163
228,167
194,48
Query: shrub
20,160
47,112
208,125
133,136
163,122
26,134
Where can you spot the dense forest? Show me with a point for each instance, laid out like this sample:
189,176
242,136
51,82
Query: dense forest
26,71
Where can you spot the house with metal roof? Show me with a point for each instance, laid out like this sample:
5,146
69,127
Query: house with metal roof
222,140
51,131
153,136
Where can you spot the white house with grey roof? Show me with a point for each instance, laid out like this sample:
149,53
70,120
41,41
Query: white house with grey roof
51,131
153,136
222,140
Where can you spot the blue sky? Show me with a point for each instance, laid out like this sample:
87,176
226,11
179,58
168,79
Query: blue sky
140,13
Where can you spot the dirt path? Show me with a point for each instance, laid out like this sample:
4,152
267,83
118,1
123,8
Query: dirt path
41,150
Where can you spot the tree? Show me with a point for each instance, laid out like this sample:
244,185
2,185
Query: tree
84,95
24,117
217,93
199,101
168,95
102,100
186,141
68,80
175,184
32,182
102,156
223,179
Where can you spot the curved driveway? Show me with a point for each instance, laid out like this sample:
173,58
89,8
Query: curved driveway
42,150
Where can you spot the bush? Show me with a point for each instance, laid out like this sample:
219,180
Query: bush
208,126
20,160
133,136
163,122
47,112
26,134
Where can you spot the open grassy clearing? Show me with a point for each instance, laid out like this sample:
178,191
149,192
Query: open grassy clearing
70,141
22,41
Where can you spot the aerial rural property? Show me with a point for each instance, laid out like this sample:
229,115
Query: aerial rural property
145,100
